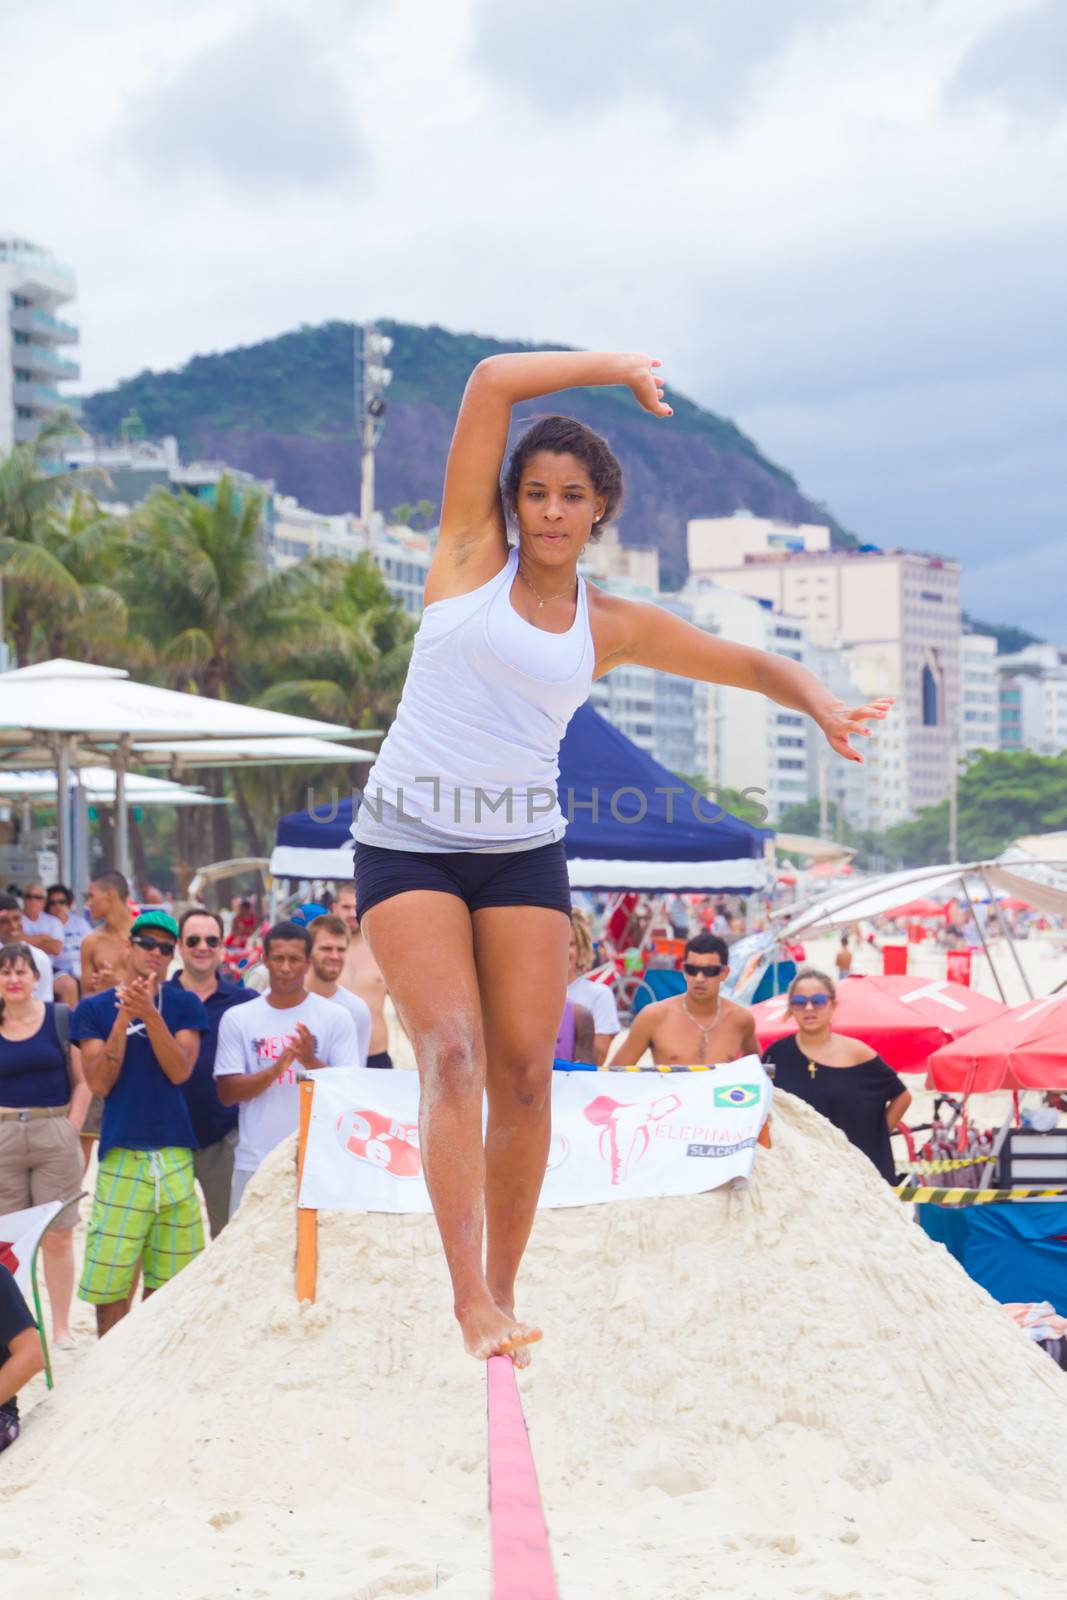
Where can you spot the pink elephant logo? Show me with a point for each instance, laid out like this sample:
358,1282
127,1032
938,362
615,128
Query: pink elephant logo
624,1129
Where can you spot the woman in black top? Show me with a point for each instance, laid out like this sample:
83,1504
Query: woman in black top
43,1100
841,1077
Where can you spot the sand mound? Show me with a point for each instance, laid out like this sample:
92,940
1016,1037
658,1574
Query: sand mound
782,1390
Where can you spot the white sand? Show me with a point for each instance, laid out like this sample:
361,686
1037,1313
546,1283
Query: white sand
781,1391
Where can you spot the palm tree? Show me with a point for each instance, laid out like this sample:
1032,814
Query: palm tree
357,649
223,623
38,586
91,546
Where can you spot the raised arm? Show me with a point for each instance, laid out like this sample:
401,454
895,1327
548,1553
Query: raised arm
471,510
643,634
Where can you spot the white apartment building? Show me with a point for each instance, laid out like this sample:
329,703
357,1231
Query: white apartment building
300,533
663,714
751,742
401,554
34,286
979,725
722,542
1032,699
896,616
125,472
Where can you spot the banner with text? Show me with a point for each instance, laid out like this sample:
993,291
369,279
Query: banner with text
615,1136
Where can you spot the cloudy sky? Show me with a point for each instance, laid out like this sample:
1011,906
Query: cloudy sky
840,222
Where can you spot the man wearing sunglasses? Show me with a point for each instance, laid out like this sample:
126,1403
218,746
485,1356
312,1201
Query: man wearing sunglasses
200,946
39,927
139,1043
696,1027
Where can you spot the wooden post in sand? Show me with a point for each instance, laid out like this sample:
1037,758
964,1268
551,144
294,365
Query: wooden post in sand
307,1222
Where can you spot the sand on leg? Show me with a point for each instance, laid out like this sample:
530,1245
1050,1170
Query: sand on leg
422,940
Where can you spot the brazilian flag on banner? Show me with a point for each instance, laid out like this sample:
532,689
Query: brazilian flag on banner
738,1094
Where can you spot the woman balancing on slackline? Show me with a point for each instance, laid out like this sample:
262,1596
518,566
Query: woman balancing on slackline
461,877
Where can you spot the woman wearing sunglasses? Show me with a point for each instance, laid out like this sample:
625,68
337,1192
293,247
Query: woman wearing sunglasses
841,1077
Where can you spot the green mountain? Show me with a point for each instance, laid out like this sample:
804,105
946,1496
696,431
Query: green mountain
283,409
1009,637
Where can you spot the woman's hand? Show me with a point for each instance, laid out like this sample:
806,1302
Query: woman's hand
646,387
841,721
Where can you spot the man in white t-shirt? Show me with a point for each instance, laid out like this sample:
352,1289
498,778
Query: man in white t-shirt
597,997
11,932
265,1044
39,927
329,950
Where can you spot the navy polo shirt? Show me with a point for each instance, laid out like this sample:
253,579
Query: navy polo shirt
145,1110
212,1120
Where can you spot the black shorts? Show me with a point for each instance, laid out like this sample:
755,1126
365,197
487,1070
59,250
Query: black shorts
515,878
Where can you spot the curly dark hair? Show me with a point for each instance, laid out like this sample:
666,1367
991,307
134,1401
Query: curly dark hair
564,436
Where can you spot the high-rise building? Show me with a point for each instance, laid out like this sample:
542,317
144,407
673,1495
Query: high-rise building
721,542
34,287
753,743
663,714
1032,699
896,617
979,726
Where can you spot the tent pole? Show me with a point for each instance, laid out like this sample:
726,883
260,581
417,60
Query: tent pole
81,864
122,821
1006,931
985,947
63,833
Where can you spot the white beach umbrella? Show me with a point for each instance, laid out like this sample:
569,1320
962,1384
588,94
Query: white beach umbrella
61,703
251,752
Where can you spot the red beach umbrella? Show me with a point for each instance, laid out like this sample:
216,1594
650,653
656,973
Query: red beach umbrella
904,1019
1025,1048
922,907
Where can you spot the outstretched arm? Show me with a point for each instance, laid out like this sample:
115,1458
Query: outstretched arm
471,512
648,636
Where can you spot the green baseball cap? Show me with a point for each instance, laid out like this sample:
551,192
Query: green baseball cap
155,919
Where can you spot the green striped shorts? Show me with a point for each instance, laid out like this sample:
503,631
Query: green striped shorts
145,1209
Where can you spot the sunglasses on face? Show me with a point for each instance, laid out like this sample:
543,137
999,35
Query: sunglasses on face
799,1001
56,905
144,941
31,894
693,971
212,940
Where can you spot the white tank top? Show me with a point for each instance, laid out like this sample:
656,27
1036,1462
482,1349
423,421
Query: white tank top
472,759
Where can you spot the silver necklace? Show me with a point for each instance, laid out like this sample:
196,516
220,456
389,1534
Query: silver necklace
704,1031
564,594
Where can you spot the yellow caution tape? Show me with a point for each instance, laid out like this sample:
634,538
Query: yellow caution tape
705,1067
924,1195
946,1165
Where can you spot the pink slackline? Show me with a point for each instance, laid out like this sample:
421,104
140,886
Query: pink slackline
522,1562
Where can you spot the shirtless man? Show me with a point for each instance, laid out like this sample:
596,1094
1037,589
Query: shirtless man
695,1027
104,963
362,975
104,951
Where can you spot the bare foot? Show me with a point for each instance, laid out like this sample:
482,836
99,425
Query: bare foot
521,1356
489,1331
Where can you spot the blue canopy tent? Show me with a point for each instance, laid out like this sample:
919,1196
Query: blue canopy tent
631,825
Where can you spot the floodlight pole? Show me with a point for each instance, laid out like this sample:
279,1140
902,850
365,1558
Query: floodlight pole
373,379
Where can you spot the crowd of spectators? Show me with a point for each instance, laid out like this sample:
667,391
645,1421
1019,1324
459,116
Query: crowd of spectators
121,1029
